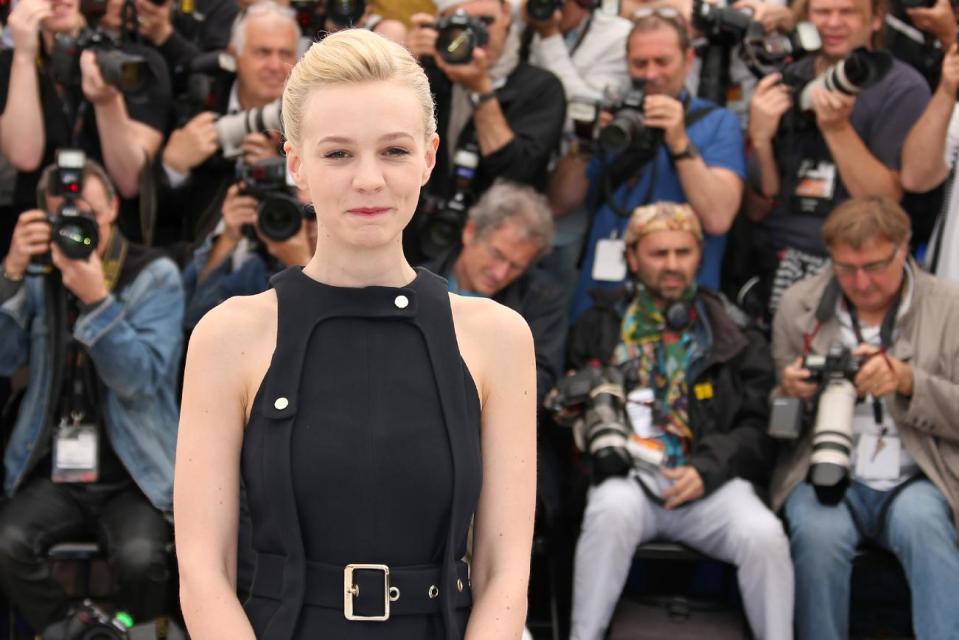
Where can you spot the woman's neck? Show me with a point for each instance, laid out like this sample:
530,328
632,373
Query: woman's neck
359,267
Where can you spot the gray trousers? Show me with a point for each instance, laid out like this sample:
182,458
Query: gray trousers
732,525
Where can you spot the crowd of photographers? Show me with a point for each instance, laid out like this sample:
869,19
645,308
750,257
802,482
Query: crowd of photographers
730,228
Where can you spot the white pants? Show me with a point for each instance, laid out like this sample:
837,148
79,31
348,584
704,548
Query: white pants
732,525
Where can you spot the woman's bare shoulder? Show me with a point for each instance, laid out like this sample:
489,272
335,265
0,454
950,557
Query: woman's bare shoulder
239,333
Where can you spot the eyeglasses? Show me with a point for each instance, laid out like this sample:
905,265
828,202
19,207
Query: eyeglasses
666,13
870,268
497,256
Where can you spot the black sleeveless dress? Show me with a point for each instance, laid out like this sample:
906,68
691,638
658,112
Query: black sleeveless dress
363,447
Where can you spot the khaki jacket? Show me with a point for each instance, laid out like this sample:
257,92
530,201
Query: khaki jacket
927,337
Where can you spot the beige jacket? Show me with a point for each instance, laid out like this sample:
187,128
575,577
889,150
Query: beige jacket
928,338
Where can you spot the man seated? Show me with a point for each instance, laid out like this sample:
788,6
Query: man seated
507,231
899,444
696,388
91,453
687,150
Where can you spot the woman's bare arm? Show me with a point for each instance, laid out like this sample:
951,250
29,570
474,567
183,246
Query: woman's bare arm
497,345
223,360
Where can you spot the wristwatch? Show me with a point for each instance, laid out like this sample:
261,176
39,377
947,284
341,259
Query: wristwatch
476,99
691,151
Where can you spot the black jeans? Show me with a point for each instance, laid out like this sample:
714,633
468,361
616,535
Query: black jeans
131,531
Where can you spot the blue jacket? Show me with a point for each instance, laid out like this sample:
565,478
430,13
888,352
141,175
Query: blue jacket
135,340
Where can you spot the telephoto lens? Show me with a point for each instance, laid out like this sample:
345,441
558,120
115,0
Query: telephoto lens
832,440
860,70
603,432
231,129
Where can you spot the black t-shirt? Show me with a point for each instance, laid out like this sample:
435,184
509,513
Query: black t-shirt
882,117
60,114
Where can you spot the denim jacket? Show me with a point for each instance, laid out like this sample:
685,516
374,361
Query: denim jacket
135,340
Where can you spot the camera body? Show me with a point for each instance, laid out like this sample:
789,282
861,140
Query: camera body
765,53
345,13
74,230
627,129
124,71
279,215
721,26
442,221
542,10
459,35
194,83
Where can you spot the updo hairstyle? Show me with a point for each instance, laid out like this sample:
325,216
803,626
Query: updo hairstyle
347,57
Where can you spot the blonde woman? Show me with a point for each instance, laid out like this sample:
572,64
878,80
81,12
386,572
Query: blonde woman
369,413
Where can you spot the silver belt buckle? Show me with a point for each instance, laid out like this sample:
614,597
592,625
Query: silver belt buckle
351,590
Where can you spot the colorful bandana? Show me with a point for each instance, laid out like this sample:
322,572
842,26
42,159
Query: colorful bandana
662,216
657,358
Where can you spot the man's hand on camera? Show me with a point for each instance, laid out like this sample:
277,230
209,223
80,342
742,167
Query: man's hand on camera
83,277
939,20
832,109
949,82
687,486
794,381
421,40
259,146
190,145
292,251
31,237
24,22
94,86
238,209
667,113
473,75
155,21
881,373
770,101
544,28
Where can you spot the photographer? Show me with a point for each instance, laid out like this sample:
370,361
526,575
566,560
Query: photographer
195,172
696,388
845,145
229,264
929,159
902,440
687,150
919,32
41,114
512,111
508,229
584,47
91,453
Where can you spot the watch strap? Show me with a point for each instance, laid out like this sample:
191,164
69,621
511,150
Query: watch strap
691,151
476,99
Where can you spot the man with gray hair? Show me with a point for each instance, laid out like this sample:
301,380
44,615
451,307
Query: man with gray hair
507,231
195,169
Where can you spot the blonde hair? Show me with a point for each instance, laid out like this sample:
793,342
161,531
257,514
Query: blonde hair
351,56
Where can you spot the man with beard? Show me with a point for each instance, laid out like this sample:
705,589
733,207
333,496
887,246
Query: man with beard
696,388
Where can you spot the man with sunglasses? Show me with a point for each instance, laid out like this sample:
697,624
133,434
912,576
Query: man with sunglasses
508,111
696,157
904,493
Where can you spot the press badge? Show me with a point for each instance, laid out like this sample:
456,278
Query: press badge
639,407
875,461
75,453
609,262
816,180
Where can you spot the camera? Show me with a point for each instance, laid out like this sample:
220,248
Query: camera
859,70
232,128
345,13
194,81
627,129
765,53
441,226
90,622
459,34
126,72
721,25
832,433
917,4
602,431
542,10
584,114
74,230
279,215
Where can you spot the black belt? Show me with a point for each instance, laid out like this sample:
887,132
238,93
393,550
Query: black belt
365,591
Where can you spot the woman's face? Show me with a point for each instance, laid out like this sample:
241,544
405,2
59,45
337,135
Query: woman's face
362,159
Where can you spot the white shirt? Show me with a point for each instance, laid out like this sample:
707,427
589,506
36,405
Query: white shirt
946,233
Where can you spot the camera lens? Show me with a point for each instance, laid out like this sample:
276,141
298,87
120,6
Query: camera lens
279,217
75,235
455,45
